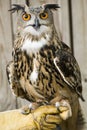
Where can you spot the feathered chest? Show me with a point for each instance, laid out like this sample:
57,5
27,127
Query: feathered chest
37,71
34,63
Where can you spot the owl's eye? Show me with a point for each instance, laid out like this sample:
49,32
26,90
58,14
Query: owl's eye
44,15
26,17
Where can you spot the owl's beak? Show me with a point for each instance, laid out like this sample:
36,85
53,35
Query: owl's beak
37,24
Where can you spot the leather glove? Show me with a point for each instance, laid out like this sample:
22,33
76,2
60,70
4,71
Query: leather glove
43,118
46,118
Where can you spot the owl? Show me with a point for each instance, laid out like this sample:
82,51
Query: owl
43,69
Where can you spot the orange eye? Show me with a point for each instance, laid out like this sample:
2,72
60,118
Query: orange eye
44,15
26,17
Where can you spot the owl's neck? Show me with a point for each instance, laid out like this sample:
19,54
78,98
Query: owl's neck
33,43
33,46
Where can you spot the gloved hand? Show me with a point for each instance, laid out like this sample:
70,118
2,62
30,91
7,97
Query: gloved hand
43,118
46,118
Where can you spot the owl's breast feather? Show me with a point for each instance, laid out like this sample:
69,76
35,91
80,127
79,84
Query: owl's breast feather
33,46
34,74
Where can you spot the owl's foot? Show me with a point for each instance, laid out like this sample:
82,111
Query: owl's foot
28,108
64,109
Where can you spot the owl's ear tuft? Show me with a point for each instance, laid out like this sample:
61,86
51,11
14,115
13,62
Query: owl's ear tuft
51,6
16,7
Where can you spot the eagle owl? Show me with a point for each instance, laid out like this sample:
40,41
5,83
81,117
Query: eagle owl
43,69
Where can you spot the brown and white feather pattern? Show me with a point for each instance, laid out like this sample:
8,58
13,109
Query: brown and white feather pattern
39,77
43,69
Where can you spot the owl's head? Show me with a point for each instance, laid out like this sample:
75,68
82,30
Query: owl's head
34,20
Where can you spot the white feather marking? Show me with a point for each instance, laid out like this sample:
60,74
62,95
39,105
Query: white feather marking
33,46
34,74
61,72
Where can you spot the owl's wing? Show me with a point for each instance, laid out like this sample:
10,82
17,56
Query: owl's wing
69,70
14,83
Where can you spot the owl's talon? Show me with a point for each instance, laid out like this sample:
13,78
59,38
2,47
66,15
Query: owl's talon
64,109
25,110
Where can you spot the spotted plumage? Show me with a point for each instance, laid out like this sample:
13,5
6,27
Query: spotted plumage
43,69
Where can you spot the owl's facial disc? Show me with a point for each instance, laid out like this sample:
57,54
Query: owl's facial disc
36,27
37,21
